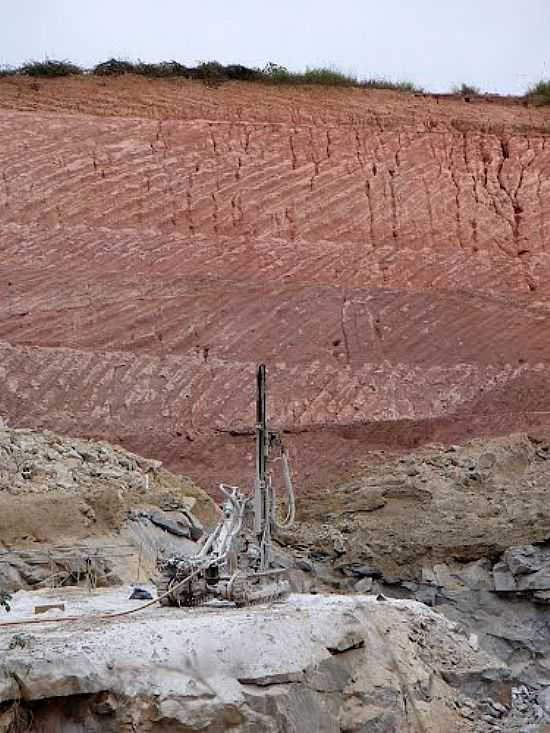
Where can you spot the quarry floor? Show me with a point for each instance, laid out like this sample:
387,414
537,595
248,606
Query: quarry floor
313,662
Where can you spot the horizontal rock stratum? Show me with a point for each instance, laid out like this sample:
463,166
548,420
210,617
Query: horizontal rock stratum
387,256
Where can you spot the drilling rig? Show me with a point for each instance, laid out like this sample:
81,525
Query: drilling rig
235,562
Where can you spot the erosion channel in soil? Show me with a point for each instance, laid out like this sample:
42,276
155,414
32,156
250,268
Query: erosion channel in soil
386,255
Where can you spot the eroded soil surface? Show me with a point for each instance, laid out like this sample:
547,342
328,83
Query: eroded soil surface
385,254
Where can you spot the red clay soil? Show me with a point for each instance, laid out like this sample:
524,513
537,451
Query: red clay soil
387,255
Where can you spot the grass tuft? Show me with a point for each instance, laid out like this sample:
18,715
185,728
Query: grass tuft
327,77
540,92
323,75
467,90
396,86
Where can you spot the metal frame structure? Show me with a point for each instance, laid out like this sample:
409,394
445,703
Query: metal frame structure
235,563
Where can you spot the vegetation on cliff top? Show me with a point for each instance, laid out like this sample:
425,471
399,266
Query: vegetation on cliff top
214,73
540,92
209,72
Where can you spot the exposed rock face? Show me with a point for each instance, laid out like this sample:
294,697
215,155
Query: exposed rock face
385,254
70,507
409,527
463,501
325,664
463,529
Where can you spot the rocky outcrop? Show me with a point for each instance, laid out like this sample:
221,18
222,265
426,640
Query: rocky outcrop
77,511
312,663
59,566
462,529
524,570
51,473
385,254
465,502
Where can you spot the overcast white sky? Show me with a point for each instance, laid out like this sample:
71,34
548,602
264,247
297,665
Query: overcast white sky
499,45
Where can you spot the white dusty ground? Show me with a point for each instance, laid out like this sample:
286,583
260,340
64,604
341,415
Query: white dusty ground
319,663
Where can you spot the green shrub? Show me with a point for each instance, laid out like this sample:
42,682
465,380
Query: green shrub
209,72
7,71
277,74
172,68
467,90
114,67
540,92
161,70
49,67
238,72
